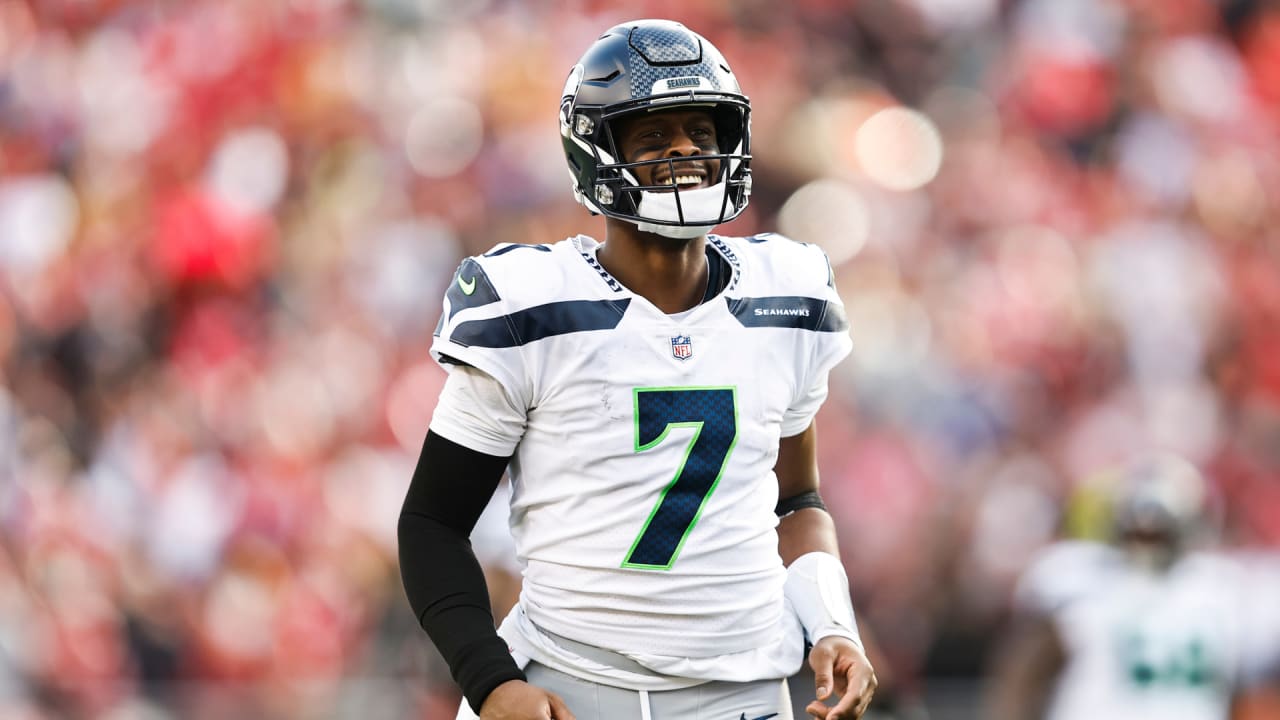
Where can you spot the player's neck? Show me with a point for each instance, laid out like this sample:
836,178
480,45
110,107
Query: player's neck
670,273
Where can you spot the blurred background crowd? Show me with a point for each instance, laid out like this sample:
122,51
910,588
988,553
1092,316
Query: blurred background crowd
226,227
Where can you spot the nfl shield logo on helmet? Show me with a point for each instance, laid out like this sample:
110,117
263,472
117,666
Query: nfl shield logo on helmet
681,347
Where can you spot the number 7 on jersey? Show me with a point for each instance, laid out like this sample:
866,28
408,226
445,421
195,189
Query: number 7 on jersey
712,412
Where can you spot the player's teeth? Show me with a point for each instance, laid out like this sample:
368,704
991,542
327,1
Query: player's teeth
687,179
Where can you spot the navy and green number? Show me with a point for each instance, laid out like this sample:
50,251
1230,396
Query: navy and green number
712,413
1148,664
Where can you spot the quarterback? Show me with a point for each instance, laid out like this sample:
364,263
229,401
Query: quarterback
652,397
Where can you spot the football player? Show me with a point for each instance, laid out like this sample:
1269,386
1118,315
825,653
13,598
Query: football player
653,398
1151,626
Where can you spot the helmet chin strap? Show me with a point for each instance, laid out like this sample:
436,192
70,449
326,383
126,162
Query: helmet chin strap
702,211
675,232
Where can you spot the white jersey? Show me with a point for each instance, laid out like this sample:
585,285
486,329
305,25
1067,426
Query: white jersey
1142,645
643,492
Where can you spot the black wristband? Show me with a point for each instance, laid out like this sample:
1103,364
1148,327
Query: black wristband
807,499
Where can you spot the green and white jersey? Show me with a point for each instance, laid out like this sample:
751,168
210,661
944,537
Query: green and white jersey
1144,645
644,443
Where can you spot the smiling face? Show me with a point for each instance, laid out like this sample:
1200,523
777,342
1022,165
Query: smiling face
681,134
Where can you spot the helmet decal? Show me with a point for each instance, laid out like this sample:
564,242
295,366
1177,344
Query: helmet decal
571,83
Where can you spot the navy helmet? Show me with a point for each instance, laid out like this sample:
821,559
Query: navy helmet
641,66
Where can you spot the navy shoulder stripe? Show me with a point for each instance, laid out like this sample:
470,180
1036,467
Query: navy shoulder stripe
801,313
541,321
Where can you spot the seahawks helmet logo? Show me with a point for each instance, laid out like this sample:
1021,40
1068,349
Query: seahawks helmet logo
683,82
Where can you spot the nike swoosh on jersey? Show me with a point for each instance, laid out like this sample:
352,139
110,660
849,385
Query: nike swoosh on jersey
762,717
470,288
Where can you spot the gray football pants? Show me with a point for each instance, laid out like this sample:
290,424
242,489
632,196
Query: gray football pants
590,701
710,701
716,700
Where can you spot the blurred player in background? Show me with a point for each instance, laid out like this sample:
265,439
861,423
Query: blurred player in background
653,397
1150,627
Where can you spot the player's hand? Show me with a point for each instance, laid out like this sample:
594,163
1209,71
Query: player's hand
518,700
840,668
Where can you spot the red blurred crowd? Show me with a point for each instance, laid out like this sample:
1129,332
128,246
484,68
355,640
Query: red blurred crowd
225,228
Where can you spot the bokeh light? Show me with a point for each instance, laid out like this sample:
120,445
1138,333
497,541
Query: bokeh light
38,218
828,213
250,169
899,148
444,137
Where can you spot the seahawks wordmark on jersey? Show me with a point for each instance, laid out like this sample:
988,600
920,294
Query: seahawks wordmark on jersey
1147,645
642,480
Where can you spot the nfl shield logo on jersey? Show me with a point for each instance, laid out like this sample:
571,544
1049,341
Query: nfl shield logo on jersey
681,347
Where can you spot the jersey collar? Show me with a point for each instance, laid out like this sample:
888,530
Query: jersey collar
587,247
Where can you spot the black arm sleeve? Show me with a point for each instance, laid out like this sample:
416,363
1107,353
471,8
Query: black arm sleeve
444,582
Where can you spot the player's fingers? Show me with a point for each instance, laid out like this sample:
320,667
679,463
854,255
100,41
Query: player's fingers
862,689
822,659
868,692
863,704
844,709
817,710
859,687
559,711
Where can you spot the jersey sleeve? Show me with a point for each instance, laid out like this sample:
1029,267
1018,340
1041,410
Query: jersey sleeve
478,412
831,344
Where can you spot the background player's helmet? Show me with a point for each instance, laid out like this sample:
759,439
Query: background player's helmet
1162,502
635,67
